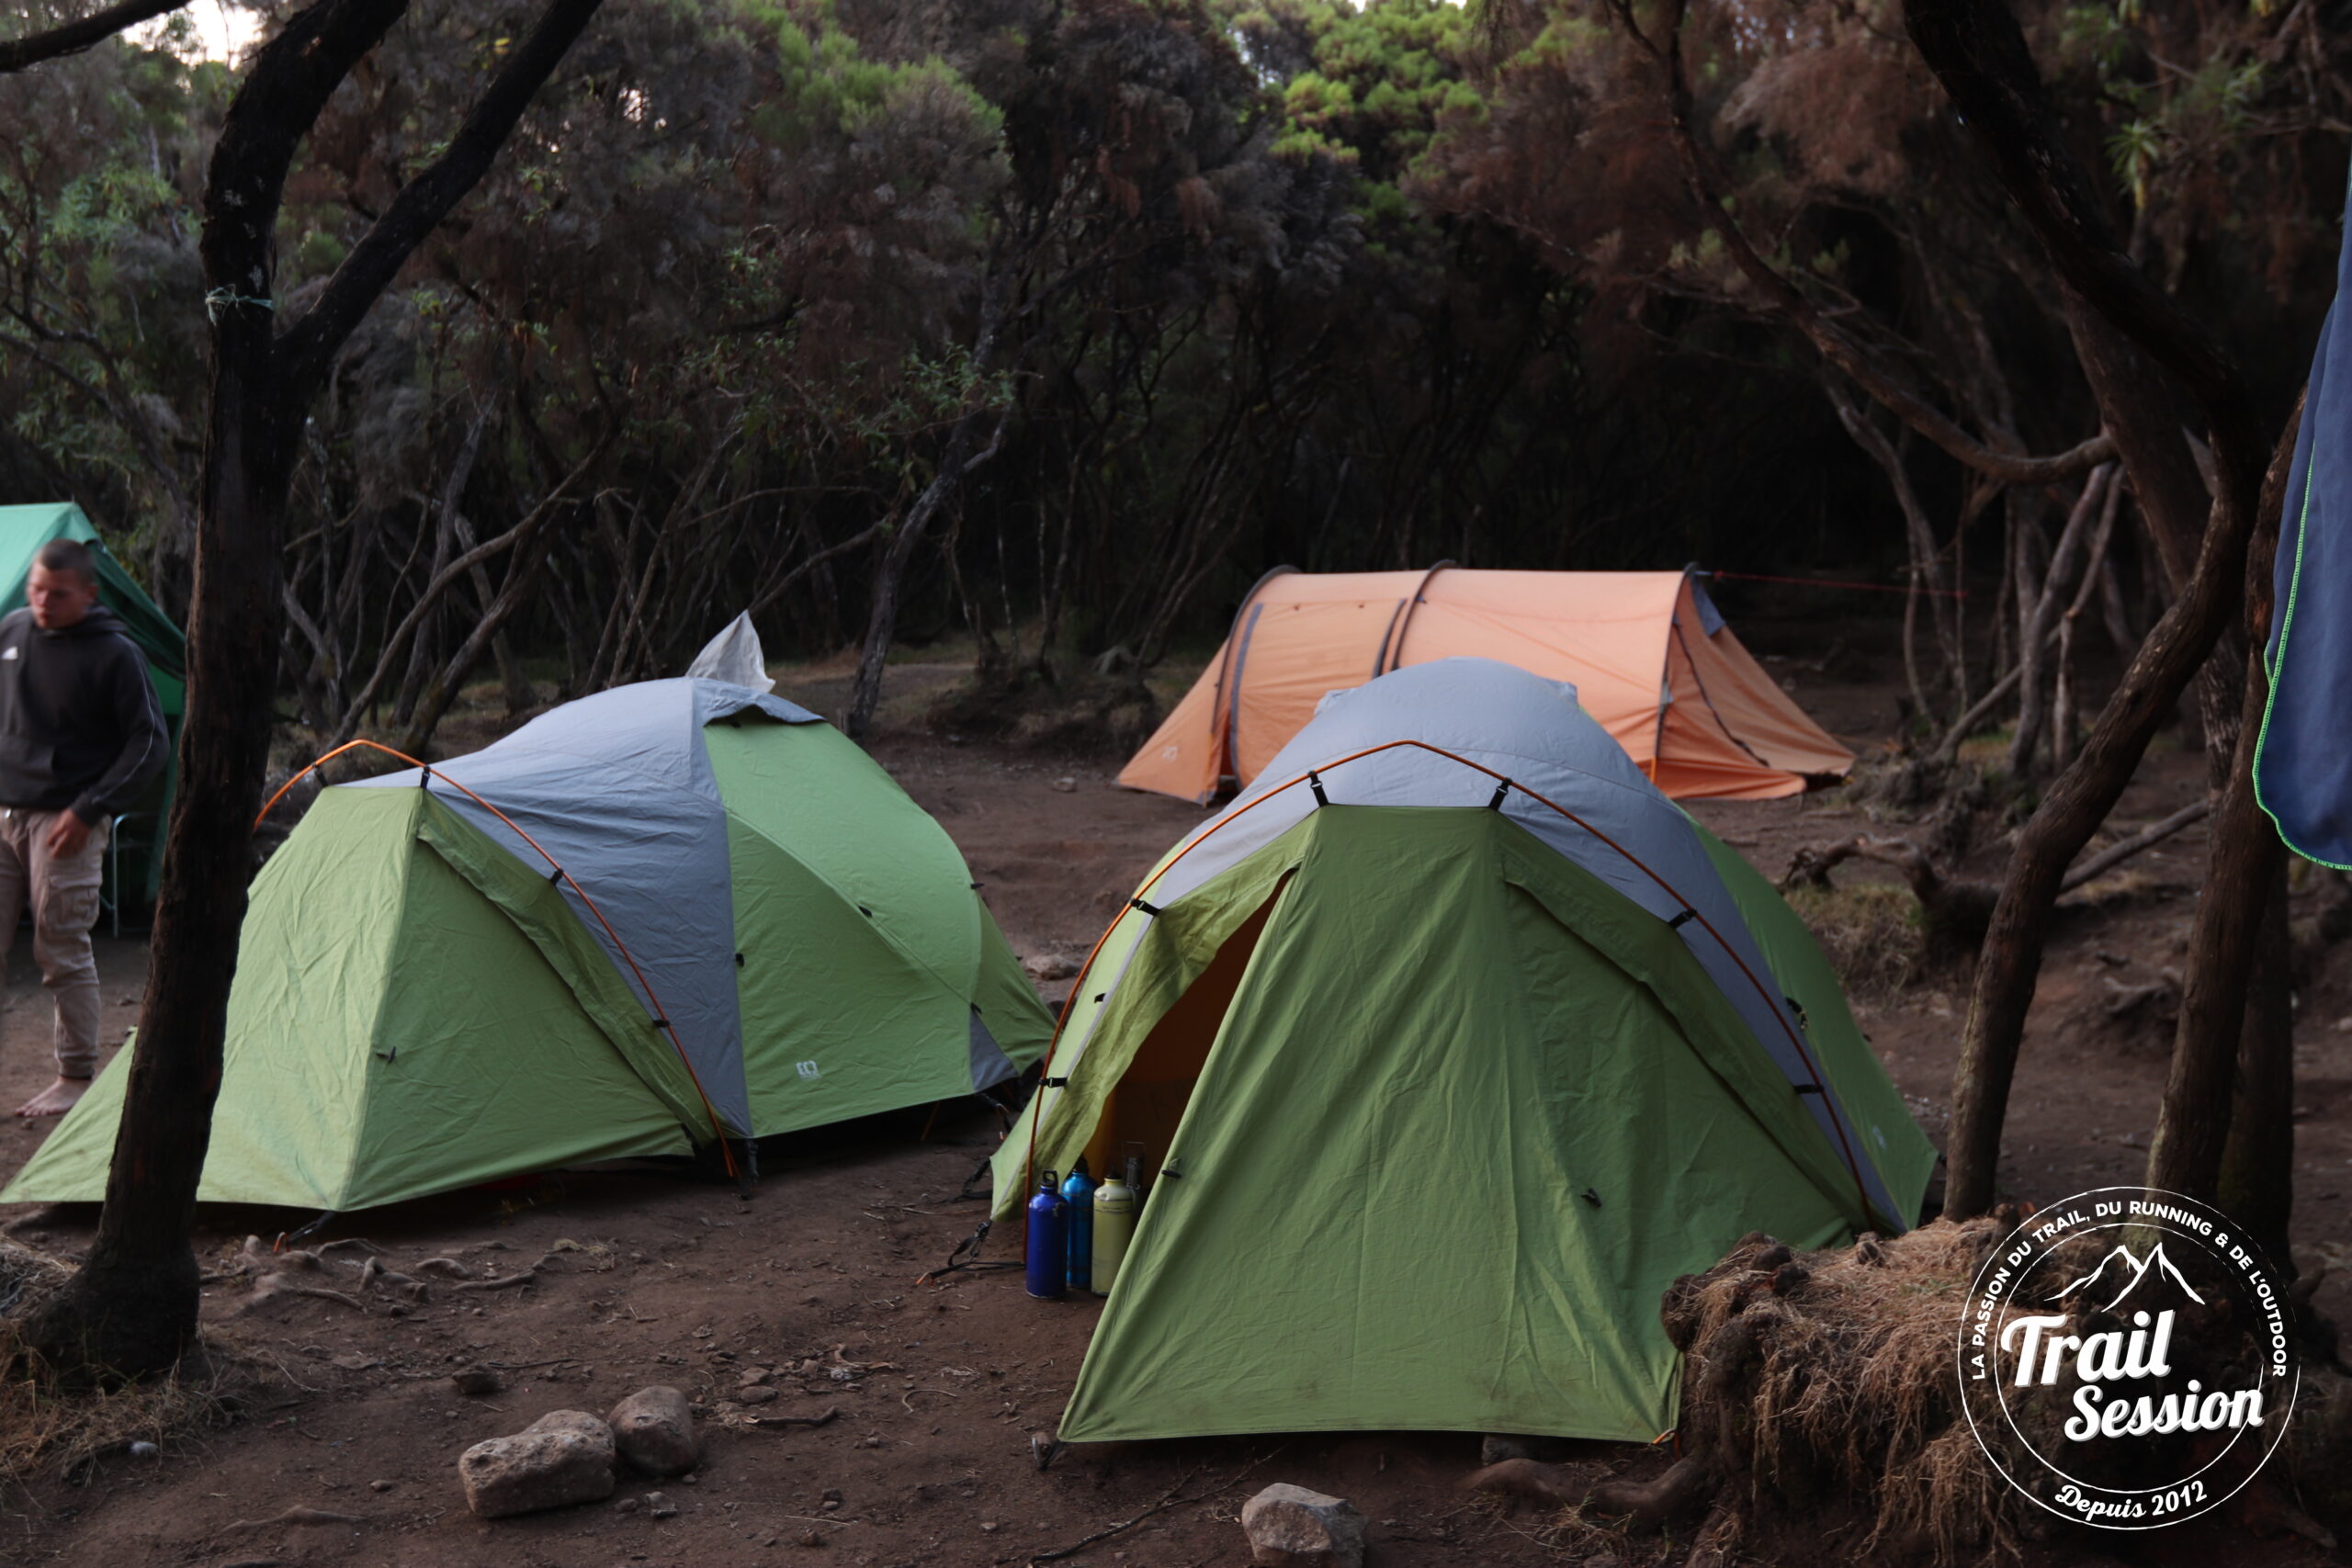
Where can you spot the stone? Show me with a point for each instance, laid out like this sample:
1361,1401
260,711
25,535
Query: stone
565,1456
627,1505
1495,1448
1290,1527
659,1507
654,1430
756,1395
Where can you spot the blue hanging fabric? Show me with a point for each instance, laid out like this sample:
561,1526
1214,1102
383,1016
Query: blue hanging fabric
2302,764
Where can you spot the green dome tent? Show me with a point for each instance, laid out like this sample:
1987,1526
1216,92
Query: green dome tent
1453,1043
23,531
655,917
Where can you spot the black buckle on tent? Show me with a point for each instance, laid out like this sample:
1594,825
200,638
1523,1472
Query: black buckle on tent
1053,1083
1809,1088
1797,1007
1146,908
1315,783
1676,923
1501,790
555,877
423,775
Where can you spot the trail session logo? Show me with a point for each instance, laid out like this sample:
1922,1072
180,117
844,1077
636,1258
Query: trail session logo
2124,1360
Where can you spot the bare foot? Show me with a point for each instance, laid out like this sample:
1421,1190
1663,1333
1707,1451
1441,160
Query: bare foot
56,1099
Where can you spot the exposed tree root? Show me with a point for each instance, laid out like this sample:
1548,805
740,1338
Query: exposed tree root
1953,914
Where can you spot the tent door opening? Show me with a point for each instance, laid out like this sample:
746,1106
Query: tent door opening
1150,1096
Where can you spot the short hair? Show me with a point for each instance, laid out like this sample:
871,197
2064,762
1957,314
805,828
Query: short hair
70,555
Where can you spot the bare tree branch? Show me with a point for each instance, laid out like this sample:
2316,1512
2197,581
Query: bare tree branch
397,642
72,38
1832,342
1977,51
426,200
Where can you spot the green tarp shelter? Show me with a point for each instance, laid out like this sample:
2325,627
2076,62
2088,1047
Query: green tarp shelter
1452,1042
23,531
753,931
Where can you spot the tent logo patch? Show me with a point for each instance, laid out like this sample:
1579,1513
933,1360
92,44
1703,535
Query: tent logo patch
809,1070
2123,1359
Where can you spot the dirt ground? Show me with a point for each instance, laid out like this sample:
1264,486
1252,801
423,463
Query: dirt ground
650,1278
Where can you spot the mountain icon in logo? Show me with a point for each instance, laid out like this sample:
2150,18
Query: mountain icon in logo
2120,1265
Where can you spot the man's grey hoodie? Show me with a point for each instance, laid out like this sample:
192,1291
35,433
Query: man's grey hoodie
80,728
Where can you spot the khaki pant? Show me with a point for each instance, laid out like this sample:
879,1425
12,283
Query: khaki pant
65,906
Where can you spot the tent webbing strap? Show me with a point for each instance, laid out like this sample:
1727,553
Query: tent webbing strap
1315,783
1501,789
1146,908
1680,920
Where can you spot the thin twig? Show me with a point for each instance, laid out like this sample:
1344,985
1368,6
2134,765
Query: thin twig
1168,1501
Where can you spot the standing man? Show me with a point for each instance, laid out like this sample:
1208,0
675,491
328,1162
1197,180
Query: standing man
81,735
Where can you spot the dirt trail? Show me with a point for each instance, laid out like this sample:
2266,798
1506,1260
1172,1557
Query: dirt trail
939,1388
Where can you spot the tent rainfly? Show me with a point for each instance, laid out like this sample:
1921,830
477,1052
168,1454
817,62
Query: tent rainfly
1452,1042
1650,657
23,531
656,916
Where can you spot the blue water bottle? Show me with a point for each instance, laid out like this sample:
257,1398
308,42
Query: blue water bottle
1078,1193
1048,1242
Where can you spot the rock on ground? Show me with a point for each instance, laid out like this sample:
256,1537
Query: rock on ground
565,1456
1290,1527
655,1432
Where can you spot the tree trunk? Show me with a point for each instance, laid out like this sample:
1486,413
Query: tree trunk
514,684
441,690
2257,1185
2040,614
2244,878
131,1307
1979,54
883,622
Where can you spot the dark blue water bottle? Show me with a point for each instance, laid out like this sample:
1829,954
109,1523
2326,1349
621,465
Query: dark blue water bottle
1078,1193
1048,1272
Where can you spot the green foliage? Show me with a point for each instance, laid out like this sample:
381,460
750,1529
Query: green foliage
1375,86
826,87
1242,280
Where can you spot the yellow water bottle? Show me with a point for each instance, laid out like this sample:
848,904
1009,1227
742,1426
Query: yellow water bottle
1114,1223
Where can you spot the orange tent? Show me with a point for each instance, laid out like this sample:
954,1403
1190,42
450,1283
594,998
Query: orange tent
1650,657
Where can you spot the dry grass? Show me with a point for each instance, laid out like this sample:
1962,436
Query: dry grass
1848,1394
48,1431
1871,932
